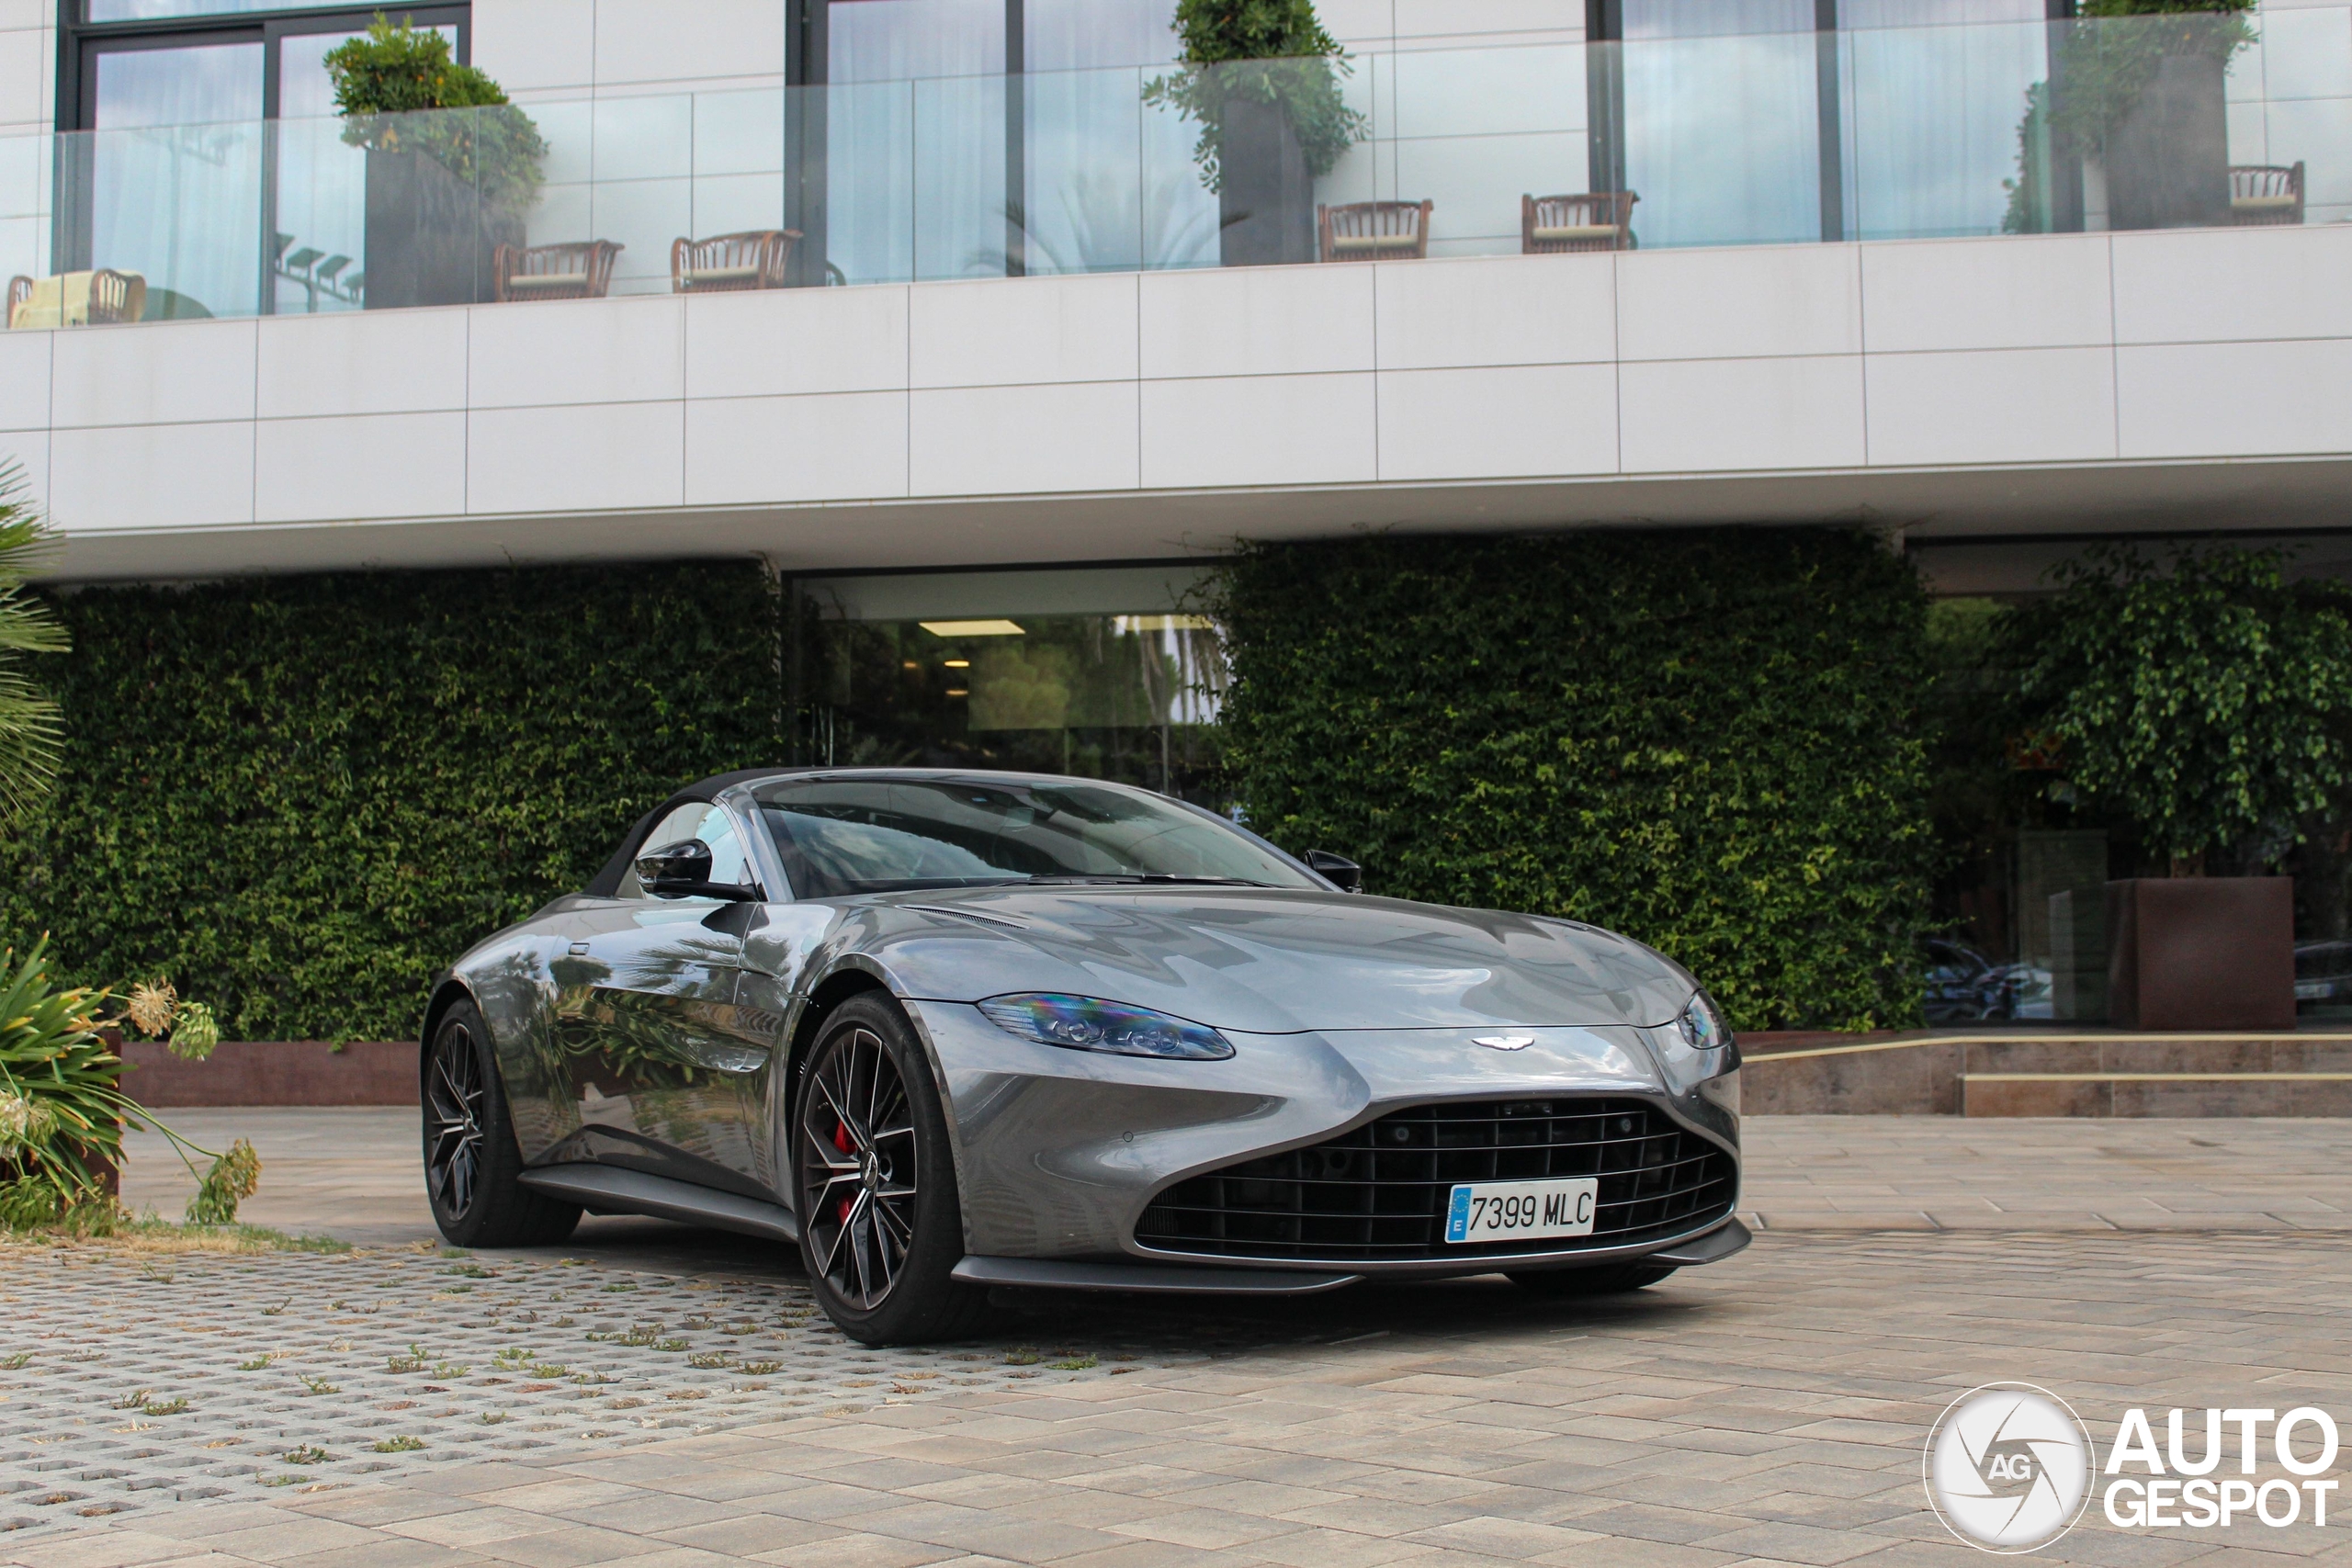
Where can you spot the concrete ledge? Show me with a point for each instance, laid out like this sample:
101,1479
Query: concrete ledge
291,1072
2051,1075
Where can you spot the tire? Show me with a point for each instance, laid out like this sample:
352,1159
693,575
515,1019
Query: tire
470,1159
1608,1280
874,1183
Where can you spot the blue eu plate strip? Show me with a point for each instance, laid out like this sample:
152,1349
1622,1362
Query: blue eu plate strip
1457,1215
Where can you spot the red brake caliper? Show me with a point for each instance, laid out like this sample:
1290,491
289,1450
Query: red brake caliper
842,1142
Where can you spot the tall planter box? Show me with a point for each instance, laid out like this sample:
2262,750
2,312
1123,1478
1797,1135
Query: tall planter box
430,240
1266,203
2202,952
2168,161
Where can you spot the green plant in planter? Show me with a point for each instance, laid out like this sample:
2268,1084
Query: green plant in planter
2205,697
30,728
1268,51
388,80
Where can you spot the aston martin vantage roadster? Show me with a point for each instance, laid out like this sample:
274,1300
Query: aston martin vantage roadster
951,1031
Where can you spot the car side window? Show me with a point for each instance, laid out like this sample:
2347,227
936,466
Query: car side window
695,819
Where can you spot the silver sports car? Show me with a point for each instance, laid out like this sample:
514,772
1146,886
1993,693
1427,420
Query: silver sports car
946,1032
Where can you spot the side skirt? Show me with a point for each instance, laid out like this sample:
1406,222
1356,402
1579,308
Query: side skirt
608,1189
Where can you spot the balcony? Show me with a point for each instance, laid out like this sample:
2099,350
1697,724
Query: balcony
1866,134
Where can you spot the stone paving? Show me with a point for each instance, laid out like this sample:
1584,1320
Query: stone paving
1768,1409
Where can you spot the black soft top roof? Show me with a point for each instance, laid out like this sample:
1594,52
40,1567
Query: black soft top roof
607,882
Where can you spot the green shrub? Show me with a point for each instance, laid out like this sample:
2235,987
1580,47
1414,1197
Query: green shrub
62,1106
1268,51
1706,739
388,80
302,797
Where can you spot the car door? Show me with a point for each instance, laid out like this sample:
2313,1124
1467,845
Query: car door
667,1072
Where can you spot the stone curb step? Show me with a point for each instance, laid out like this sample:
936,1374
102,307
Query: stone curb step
2181,1094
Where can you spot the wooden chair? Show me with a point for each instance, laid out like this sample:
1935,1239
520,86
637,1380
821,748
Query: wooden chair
753,259
582,270
1374,230
102,298
2266,194
1598,221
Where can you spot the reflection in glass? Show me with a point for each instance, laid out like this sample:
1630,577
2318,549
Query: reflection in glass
321,225
1931,126
1129,696
1722,133
176,174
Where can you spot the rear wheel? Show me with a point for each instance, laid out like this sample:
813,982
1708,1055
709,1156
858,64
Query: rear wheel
471,1157
880,1226
1608,1280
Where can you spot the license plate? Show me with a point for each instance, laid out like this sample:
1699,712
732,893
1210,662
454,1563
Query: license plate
1522,1211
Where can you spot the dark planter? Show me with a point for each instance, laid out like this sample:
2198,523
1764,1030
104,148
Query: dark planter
1266,205
2202,952
429,240
2168,160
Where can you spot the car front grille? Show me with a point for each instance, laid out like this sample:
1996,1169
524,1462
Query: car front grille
1380,1192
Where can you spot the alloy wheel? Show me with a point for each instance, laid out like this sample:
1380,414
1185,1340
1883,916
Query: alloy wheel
453,1111
857,1168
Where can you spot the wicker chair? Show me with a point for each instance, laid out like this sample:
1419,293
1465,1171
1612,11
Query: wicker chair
578,271
1598,221
2265,193
753,259
1374,230
76,299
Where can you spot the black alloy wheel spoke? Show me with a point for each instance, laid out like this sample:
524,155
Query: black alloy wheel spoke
453,1154
860,1201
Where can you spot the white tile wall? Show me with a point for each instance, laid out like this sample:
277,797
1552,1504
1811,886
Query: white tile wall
1039,329
1498,423
24,63
1697,304
2050,291
1259,430
837,446
587,457
581,351
1692,415
661,41
362,362
796,339
1018,440
28,450
536,45
2217,285
155,373
164,475
24,379
2041,405
336,469
2234,398
1498,310
1257,320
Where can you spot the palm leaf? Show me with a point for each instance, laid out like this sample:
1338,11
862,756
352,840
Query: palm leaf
31,727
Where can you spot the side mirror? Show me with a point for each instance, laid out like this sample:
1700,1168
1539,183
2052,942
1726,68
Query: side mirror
682,871
1339,870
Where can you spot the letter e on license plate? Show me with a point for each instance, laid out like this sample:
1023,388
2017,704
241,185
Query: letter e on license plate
1522,1211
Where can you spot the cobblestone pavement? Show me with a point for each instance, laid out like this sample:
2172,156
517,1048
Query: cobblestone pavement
1767,1409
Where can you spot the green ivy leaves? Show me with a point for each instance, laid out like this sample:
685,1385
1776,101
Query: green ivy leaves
1707,739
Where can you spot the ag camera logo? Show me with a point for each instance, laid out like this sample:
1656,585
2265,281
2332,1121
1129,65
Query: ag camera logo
2008,1466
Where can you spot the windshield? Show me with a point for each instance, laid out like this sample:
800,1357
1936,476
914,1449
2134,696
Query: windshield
839,836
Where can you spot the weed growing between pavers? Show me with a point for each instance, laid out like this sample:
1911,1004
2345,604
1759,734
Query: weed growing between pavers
139,1381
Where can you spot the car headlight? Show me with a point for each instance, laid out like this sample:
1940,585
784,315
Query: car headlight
1701,1027
1089,1023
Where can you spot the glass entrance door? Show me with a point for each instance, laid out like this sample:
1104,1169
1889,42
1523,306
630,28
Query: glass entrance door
175,172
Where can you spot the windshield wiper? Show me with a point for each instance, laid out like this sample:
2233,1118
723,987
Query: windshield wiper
1151,878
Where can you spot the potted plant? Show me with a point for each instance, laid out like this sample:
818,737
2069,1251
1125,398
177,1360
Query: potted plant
1261,77
452,166
2207,699
2138,91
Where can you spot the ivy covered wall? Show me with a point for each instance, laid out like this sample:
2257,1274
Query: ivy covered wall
1710,740
298,797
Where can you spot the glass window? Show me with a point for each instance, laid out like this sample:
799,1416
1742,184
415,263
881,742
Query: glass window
175,173
842,836
1102,673
168,10
709,823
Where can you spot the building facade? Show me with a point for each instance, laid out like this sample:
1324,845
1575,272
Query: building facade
978,374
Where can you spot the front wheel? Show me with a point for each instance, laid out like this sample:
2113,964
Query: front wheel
1608,1280
471,1161
880,1226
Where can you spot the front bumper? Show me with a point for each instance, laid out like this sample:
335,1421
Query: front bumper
1059,1152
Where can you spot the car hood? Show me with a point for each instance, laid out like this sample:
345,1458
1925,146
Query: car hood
1274,961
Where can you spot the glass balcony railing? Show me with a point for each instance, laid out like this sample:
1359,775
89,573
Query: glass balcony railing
1878,133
